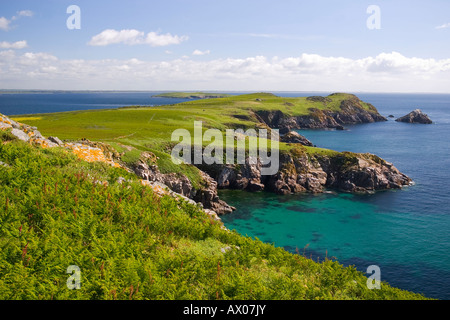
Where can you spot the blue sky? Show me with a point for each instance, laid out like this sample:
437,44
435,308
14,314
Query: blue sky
226,45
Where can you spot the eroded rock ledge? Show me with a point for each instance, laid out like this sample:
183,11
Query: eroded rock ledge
302,172
351,111
179,183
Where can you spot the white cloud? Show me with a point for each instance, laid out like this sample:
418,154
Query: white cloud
4,24
25,13
15,45
156,40
443,26
200,53
385,72
134,37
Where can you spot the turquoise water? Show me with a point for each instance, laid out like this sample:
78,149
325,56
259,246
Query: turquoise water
404,232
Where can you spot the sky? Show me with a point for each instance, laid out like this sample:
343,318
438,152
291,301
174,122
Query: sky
245,45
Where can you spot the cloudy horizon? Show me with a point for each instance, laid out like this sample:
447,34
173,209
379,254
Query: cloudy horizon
171,52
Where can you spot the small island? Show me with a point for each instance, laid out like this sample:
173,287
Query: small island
192,95
416,116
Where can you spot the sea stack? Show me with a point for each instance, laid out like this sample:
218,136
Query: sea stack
295,137
416,116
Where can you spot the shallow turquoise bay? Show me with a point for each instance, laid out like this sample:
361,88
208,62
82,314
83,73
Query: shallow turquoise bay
405,232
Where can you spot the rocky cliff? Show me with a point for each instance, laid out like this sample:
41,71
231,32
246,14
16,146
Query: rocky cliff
350,111
304,172
179,183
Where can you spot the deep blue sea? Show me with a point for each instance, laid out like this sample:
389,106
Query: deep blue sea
405,232
57,101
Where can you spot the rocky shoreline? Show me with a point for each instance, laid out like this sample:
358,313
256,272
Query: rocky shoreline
351,111
302,172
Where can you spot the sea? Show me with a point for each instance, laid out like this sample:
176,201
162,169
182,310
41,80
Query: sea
403,232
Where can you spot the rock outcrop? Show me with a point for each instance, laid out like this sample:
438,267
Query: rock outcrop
179,183
303,172
295,137
416,116
351,111
24,132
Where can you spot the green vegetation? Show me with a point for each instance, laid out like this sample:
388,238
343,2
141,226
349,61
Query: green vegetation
150,128
57,211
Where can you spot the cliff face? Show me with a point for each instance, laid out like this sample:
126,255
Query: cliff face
351,111
302,172
179,183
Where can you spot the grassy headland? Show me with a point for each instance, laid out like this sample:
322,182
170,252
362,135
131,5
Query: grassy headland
150,128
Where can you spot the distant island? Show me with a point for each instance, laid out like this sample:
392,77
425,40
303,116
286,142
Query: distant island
192,95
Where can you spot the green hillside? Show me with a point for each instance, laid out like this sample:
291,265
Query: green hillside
57,210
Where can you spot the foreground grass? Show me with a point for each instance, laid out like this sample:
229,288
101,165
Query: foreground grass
57,211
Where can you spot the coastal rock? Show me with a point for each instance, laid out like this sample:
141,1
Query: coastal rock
416,116
6,122
324,100
246,176
209,198
295,137
56,140
25,132
302,172
21,135
179,183
4,125
351,111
